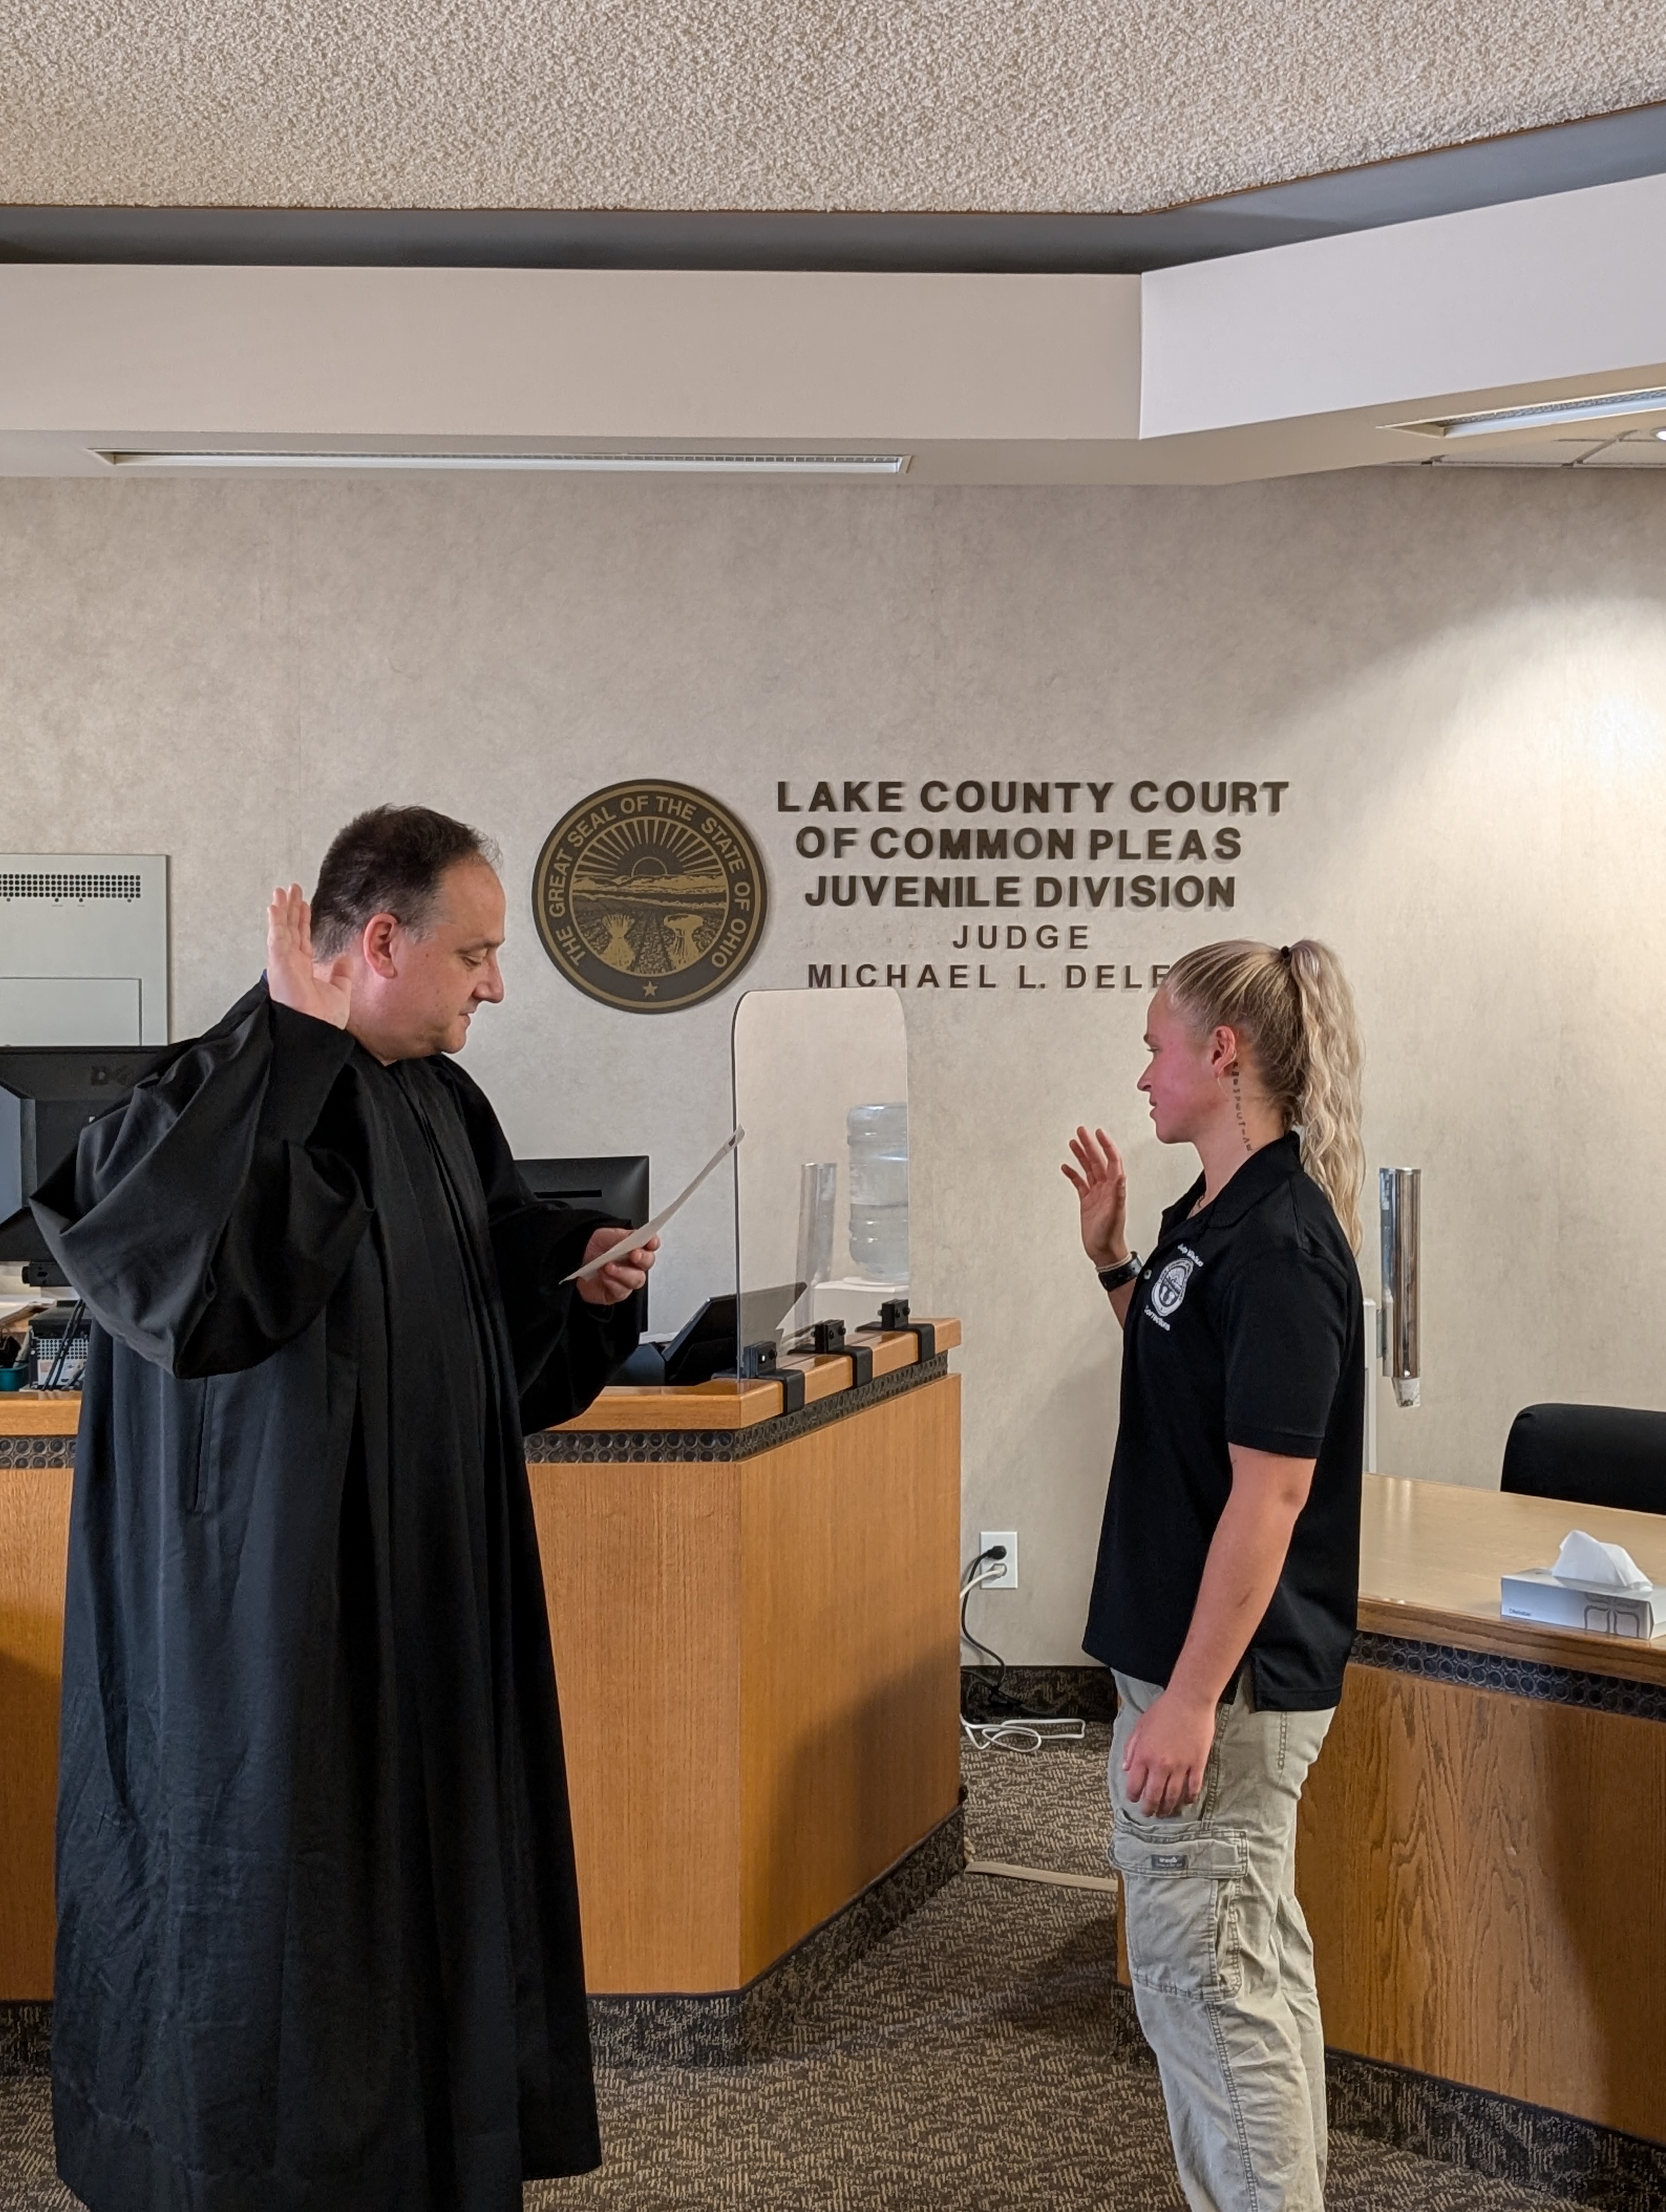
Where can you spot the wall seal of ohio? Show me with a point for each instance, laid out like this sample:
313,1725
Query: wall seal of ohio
649,896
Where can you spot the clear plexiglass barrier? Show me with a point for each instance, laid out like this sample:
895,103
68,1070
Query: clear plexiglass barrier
821,1088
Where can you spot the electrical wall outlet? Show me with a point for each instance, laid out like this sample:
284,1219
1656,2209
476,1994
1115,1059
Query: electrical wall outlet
1008,1576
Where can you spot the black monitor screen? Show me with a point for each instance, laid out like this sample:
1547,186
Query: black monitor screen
48,1094
615,1183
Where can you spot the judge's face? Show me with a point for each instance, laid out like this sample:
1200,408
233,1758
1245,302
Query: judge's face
416,995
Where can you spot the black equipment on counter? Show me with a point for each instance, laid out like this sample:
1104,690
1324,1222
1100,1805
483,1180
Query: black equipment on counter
705,1345
1588,1454
823,1337
894,1316
48,1094
60,1338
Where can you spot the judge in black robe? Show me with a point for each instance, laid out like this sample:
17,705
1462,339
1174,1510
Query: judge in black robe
317,1941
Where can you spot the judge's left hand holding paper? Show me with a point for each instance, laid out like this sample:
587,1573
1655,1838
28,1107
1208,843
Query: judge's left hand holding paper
318,1924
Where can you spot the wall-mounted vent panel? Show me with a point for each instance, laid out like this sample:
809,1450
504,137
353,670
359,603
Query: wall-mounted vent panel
83,949
59,884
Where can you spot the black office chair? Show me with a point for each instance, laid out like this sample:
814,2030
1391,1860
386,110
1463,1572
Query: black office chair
1590,1455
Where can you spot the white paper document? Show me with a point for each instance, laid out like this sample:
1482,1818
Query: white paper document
638,1237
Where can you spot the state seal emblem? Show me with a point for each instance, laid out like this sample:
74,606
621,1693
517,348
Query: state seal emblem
649,896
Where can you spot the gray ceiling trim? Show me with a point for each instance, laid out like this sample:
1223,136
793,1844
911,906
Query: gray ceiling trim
1568,156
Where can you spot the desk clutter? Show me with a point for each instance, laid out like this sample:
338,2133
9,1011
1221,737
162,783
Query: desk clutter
44,1347
739,1337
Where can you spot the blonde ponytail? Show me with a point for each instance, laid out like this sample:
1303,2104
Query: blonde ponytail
1291,1006
1333,1150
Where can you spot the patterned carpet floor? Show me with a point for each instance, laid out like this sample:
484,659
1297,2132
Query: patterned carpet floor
982,2059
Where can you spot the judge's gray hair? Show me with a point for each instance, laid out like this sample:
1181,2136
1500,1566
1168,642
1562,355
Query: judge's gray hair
389,861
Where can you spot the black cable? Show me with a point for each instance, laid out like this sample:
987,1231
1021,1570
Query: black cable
994,1658
77,1313
995,1692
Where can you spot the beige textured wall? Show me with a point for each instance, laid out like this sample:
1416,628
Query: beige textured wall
1462,678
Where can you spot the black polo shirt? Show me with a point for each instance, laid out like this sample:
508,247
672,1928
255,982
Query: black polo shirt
1245,1327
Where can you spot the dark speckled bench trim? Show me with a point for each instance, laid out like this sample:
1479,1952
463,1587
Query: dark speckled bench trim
37,1451
724,2029
731,2025
1567,2158
568,1446
1089,1693
1515,1678
1073,1693
26,2039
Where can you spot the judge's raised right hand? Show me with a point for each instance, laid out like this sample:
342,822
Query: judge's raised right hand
1101,1185
321,988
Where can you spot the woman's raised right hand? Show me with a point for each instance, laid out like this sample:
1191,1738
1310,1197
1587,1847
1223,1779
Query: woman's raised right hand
1101,1185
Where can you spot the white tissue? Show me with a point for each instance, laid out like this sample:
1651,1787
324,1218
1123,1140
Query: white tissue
1583,1559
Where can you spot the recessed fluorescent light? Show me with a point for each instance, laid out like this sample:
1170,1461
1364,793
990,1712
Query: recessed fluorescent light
713,464
1548,415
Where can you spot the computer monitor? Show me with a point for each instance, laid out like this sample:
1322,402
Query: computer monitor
48,1094
615,1183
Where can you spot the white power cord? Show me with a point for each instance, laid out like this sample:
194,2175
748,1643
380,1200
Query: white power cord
1008,1735
1020,1734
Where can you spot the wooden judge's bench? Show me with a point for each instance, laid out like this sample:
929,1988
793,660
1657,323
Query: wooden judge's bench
758,1646
754,1618
1482,1848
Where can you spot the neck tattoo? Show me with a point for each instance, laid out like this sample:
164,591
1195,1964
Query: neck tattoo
1237,1109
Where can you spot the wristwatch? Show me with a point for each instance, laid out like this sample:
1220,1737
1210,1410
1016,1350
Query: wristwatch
1119,1276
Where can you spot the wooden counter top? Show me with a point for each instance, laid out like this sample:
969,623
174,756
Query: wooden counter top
1430,1555
40,1412
702,1406
742,1405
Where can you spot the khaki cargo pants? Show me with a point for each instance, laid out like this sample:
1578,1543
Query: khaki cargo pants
1222,1963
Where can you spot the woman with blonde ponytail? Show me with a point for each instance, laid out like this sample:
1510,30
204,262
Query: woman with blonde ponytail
1228,1568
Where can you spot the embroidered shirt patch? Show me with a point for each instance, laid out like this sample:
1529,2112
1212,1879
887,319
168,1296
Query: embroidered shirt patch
1168,1290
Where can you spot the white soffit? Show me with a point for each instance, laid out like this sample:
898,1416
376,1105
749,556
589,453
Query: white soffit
1298,358
1532,294
126,358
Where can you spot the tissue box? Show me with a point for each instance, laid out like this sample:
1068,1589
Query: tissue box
1536,1595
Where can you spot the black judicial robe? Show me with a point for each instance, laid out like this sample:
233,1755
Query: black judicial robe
318,1942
